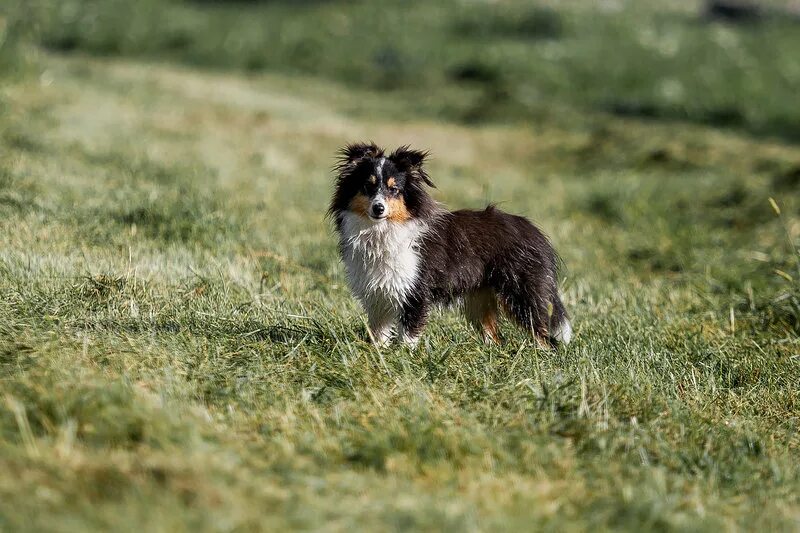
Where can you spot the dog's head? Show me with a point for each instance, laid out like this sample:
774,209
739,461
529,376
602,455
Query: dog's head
380,188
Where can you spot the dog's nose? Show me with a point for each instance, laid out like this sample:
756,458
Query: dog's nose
378,209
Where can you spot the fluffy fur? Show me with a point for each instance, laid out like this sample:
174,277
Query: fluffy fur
403,253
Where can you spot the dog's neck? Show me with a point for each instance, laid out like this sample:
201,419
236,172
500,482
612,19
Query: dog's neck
381,258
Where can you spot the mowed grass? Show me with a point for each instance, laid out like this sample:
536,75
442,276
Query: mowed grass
178,348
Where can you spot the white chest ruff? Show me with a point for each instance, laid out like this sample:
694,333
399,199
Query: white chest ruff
381,260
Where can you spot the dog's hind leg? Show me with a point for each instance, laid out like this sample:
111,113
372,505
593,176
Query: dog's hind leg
530,319
480,308
531,313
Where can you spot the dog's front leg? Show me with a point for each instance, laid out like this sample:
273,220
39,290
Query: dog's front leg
381,322
413,319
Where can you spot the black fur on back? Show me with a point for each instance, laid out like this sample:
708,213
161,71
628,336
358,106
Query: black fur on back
466,250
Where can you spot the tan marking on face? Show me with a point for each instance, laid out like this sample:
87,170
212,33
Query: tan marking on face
359,205
390,182
373,180
397,210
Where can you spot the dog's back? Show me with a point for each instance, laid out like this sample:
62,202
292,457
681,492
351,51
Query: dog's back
467,252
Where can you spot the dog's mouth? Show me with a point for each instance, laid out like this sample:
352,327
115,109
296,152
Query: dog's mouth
377,219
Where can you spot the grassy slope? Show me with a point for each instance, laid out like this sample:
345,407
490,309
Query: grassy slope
178,348
469,60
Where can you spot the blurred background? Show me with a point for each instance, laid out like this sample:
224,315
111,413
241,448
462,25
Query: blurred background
726,63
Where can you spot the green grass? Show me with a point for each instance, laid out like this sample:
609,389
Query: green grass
469,61
179,351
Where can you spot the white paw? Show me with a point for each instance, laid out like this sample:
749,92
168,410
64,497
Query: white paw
410,340
381,336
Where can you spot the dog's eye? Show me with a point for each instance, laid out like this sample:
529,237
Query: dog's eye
394,190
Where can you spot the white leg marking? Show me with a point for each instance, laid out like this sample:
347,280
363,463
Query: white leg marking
410,340
564,332
381,322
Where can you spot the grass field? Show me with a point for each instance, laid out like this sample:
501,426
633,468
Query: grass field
179,350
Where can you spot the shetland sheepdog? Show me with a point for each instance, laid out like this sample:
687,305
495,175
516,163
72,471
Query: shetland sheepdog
404,253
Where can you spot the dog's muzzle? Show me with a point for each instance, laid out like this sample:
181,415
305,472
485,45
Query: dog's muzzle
378,209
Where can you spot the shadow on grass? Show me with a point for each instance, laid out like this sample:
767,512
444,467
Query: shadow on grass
528,22
239,330
731,117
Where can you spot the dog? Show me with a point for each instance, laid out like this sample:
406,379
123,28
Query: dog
404,253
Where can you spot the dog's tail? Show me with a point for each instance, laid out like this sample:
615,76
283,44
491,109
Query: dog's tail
561,329
563,332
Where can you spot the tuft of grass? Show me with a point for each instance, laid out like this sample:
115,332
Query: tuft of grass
178,215
781,310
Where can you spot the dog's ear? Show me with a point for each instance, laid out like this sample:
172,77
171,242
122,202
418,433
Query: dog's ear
411,162
350,155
